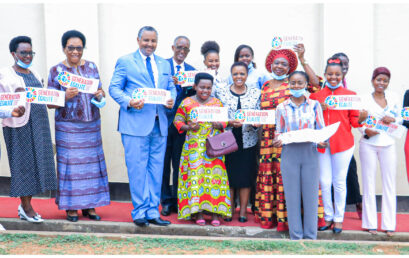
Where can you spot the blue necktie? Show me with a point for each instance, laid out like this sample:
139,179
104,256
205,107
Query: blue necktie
178,69
149,68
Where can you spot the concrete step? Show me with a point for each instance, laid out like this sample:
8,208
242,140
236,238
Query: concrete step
186,230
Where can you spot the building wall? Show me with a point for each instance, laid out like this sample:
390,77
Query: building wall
371,35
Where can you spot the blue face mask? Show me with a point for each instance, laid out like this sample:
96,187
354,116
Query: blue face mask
297,93
23,65
278,78
333,87
250,66
99,104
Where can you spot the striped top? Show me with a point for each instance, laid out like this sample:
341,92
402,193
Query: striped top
290,117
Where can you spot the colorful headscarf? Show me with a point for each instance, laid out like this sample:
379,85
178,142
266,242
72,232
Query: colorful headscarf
288,54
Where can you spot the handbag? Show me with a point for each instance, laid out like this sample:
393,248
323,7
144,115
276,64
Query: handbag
221,144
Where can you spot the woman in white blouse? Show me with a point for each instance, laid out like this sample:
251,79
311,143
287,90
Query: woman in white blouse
382,105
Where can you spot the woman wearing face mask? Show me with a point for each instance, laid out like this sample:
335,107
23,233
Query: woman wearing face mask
353,191
270,201
384,106
82,173
335,160
210,51
27,138
299,161
241,165
255,78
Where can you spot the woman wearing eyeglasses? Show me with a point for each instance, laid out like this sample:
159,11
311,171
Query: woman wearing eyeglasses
27,137
82,174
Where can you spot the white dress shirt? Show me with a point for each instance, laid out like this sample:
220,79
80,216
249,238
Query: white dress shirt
182,66
154,67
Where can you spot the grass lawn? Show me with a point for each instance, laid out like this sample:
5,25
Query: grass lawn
79,244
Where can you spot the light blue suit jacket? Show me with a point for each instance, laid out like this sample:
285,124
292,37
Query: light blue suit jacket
131,73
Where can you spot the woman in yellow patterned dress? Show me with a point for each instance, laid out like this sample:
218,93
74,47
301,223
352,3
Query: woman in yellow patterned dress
270,202
203,182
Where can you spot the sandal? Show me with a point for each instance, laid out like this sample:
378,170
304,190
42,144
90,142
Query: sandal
215,223
389,233
200,222
373,231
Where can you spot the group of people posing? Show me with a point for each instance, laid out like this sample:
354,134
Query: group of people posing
296,187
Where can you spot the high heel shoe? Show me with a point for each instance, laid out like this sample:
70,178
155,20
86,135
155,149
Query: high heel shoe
23,216
326,227
71,218
86,213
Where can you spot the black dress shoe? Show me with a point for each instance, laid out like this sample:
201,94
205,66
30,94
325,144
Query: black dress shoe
72,218
325,227
158,221
141,222
337,230
242,219
86,213
166,210
228,219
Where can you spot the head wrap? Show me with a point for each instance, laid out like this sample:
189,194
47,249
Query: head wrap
288,54
381,70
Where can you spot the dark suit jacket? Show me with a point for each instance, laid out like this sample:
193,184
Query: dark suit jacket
182,93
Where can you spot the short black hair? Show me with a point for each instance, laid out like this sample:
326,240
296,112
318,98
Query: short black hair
237,53
333,62
146,28
239,64
307,78
203,76
17,40
337,55
72,34
209,47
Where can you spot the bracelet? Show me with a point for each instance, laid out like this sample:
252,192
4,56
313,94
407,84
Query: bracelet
304,63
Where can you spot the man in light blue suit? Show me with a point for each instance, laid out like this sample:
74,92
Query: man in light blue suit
143,127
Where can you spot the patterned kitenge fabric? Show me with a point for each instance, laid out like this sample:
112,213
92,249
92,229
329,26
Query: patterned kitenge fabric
270,202
203,182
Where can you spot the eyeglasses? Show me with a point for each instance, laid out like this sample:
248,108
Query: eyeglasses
72,48
186,49
26,53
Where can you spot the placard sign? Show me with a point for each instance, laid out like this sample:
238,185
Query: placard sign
405,113
151,95
285,42
86,85
309,135
186,78
45,96
10,100
393,129
254,116
344,102
209,114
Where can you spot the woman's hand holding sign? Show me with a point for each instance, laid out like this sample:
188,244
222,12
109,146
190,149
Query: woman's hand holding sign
235,123
70,93
170,103
18,111
387,120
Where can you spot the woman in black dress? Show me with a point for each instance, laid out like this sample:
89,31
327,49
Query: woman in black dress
241,165
27,138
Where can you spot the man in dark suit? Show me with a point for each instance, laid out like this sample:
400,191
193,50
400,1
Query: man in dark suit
181,48
143,126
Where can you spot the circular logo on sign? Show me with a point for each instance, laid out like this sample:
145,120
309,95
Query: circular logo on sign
240,115
31,95
64,79
370,122
138,94
405,113
331,101
193,115
182,77
277,42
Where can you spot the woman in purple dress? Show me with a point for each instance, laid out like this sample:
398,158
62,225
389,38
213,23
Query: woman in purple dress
82,174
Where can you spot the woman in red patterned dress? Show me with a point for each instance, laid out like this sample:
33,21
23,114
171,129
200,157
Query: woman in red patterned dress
270,202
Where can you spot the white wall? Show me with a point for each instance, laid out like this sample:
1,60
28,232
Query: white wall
371,35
